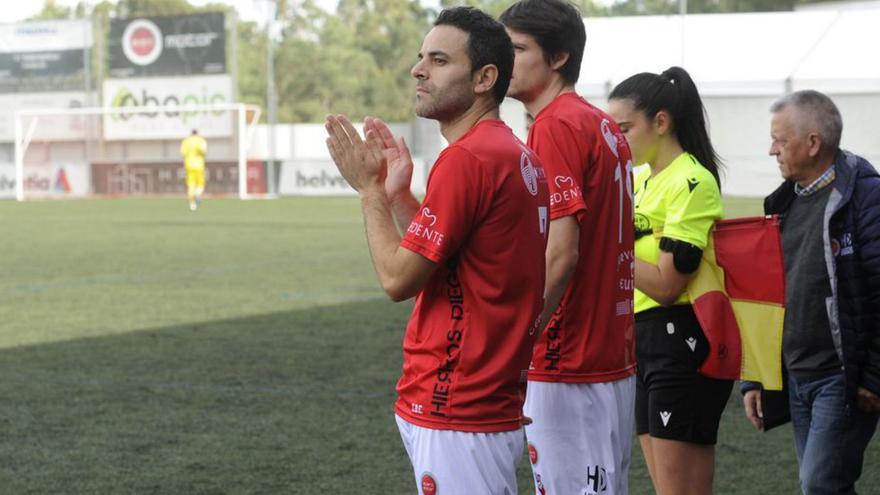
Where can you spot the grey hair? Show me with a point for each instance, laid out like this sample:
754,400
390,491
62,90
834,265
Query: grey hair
816,113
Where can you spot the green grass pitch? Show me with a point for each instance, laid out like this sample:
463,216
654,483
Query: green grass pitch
242,348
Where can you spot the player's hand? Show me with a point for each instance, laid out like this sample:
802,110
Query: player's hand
396,154
754,410
868,401
360,163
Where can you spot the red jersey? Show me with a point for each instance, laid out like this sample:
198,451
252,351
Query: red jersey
590,337
468,343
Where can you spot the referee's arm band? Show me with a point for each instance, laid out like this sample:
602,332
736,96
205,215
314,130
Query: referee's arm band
685,256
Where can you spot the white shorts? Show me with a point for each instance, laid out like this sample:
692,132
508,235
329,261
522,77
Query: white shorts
447,462
581,436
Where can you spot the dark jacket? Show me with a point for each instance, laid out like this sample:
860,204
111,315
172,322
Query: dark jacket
852,256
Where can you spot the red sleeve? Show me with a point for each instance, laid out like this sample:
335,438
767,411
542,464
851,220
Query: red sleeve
452,206
556,146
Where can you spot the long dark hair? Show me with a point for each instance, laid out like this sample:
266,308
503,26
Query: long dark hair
675,92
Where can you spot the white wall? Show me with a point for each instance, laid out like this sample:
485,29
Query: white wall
306,166
740,131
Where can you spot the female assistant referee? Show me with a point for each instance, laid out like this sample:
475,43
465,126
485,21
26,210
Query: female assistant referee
677,200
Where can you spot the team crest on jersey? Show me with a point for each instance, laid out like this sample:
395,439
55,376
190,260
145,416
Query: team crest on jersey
642,224
429,485
529,173
610,138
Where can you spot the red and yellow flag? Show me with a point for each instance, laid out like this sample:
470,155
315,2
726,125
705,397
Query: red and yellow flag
738,295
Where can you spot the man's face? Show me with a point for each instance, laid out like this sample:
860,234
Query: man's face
790,146
531,71
444,82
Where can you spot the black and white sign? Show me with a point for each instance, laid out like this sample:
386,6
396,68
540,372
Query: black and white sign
43,56
60,70
168,46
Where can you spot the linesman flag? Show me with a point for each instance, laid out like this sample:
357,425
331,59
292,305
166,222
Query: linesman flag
738,295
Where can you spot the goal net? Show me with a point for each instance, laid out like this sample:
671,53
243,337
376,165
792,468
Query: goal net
134,150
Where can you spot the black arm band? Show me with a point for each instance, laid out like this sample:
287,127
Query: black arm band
685,256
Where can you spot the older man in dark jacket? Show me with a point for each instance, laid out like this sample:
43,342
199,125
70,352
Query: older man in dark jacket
830,206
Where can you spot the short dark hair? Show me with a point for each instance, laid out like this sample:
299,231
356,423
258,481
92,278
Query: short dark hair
488,43
557,27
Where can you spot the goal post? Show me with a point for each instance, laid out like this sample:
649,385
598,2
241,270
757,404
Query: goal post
130,150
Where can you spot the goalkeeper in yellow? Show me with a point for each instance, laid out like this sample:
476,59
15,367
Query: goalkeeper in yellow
193,149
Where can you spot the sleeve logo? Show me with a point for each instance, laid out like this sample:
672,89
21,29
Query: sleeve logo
562,181
567,190
428,232
426,215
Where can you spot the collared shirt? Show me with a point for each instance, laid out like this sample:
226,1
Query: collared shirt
816,185
682,203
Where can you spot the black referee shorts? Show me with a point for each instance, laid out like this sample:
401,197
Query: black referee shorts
673,400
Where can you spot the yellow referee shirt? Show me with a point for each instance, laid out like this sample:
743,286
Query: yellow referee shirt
681,202
193,149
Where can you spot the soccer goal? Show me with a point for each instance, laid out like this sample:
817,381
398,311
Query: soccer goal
134,151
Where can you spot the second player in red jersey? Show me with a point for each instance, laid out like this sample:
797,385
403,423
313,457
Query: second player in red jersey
590,336
581,388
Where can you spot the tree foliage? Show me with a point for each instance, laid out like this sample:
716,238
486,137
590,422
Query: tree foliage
356,60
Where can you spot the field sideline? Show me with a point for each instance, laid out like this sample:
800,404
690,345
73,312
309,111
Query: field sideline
243,348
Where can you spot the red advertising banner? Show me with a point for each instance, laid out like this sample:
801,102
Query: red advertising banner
160,178
168,178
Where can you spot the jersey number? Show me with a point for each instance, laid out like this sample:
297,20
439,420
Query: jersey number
618,177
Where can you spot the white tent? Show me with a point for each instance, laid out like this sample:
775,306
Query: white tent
741,64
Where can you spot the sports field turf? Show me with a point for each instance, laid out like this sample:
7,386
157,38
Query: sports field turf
242,348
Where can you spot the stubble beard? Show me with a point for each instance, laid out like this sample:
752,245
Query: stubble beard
445,104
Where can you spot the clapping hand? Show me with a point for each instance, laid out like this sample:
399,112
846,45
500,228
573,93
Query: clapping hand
361,163
396,154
